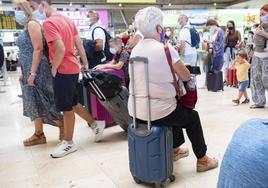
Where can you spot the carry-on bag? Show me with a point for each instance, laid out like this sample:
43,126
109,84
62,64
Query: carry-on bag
99,112
230,77
150,146
235,81
116,106
215,81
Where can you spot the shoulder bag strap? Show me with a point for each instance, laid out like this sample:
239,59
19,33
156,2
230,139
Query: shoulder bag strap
169,60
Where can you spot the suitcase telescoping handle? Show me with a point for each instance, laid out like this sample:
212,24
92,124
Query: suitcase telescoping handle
146,71
88,78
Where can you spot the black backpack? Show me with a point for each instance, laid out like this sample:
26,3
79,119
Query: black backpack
109,56
96,58
195,38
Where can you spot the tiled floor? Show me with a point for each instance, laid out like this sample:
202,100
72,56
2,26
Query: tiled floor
104,165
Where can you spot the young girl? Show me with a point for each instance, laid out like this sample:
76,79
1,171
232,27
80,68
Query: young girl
242,66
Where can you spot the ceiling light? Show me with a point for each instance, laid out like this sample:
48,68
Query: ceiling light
215,4
120,5
71,4
169,4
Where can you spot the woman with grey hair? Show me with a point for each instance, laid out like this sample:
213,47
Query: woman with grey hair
164,108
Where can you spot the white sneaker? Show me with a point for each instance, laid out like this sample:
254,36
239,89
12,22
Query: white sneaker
98,128
64,149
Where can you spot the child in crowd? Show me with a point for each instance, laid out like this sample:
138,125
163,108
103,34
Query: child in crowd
242,66
120,60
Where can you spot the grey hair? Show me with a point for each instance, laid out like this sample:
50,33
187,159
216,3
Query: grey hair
147,20
96,15
183,16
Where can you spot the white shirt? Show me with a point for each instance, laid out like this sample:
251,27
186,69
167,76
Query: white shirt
185,35
261,55
162,90
98,34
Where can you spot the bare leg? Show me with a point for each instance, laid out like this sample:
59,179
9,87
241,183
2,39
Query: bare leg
38,124
69,121
83,113
240,94
246,95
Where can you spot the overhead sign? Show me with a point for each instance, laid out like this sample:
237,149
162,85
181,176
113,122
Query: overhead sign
131,1
8,21
79,18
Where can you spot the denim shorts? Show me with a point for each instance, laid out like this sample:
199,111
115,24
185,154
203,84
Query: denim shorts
243,85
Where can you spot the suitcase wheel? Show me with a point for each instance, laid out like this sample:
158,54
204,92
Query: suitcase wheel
161,185
172,178
137,180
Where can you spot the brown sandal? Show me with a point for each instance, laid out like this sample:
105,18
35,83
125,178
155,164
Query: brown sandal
36,139
254,106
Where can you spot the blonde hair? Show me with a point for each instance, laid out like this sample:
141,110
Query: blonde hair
24,4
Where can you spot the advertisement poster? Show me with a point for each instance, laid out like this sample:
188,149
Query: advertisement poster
79,18
242,17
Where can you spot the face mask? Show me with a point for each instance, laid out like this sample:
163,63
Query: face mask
230,28
20,16
113,50
212,29
168,33
264,19
162,37
39,15
88,21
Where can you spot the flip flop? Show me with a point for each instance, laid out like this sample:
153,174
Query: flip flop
256,106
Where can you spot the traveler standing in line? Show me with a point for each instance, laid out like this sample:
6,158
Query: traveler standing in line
36,80
165,110
169,36
187,52
62,37
97,33
232,42
217,43
259,66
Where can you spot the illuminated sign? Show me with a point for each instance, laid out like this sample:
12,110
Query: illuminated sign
8,21
79,18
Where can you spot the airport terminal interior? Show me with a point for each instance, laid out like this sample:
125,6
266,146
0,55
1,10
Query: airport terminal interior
218,50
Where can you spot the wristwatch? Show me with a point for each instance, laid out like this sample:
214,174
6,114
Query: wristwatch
32,74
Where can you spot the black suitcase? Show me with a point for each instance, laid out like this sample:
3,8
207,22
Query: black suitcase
116,105
215,81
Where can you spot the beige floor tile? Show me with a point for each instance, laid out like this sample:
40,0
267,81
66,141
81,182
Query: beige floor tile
105,164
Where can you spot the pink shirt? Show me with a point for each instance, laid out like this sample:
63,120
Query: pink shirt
59,27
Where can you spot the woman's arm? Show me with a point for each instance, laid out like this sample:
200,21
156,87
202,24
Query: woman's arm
261,32
219,40
182,71
35,34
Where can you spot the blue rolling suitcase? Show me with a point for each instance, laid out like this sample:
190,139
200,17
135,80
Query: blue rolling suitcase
150,146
